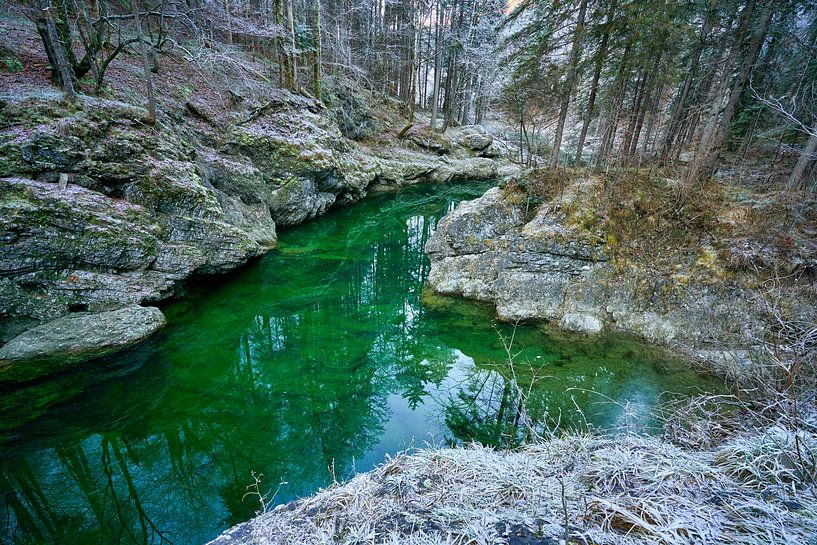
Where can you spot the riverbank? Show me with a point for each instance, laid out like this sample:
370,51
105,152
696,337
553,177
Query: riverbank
101,210
616,490
712,276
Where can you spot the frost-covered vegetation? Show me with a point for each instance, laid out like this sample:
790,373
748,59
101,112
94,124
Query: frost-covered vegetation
622,489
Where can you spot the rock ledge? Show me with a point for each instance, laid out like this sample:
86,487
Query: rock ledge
539,265
75,338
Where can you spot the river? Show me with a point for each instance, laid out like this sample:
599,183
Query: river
307,365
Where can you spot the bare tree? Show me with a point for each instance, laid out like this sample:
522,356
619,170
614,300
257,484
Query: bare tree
143,48
61,70
575,52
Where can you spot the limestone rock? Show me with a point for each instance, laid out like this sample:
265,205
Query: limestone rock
475,138
540,266
99,210
43,227
496,150
75,338
473,168
580,323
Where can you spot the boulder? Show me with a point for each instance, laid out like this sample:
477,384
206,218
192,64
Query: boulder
472,168
75,338
496,150
475,138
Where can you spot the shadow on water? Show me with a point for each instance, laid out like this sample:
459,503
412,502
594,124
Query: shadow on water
312,362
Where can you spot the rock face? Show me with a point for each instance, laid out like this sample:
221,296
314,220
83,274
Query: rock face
476,139
99,210
541,267
75,338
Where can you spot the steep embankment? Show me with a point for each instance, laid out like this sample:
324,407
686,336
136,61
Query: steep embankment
600,256
99,211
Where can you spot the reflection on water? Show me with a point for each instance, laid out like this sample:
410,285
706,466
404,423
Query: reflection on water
314,362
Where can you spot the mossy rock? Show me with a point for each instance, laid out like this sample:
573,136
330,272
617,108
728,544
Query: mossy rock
10,62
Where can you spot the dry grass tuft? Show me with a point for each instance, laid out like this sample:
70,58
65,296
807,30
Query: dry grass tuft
720,229
775,457
604,490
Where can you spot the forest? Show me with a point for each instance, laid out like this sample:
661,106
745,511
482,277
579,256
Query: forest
706,84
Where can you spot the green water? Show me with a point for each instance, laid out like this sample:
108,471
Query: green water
317,360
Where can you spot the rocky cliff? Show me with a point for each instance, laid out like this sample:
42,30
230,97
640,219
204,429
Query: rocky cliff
99,211
558,263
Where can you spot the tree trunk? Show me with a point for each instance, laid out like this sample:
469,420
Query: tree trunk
710,163
435,95
706,89
708,134
284,72
151,119
293,54
229,22
316,51
654,113
633,116
617,100
427,68
451,86
646,102
807,156
53,47
478,102
601,55
575,50
680,104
